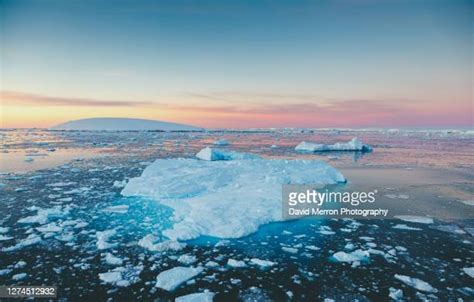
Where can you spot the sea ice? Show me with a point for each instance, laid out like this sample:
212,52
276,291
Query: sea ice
262,263
30,240
225,199
469,271
357,255
416,283
236,263
353,145
149,242
103,237
113,260
172,278
19,276
187,259
405,227
196,297
415,219
221,142
212,154
43,215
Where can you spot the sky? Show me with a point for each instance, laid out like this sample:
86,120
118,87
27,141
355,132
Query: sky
238,64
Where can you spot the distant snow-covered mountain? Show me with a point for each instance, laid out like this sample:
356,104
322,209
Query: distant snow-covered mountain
122,124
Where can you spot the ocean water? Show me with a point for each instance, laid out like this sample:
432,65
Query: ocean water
79,175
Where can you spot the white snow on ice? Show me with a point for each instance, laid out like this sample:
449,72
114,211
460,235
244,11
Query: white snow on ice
225,199
212,154
416,283
353,145
196,297
415,219
172,278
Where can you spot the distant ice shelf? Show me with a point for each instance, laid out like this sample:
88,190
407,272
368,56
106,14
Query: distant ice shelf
353,145
225,199
122,124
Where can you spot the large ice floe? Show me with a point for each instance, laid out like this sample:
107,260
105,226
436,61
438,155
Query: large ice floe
225,199
353,145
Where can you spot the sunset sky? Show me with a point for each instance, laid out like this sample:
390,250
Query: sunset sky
238,64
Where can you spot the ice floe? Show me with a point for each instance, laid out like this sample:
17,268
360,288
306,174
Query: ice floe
196,297
416,283
170,279
43,215
103,237
225,199
30,240
355,256
405,227
353,145
415,219
151,243
262,263
212,154
236,263
469,271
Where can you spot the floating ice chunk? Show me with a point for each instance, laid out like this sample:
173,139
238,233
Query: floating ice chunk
122,276
111,277
211,264
149,242
309,147
172,278
119,209
289,250
221,142
262,263
357,255
211,154
225,199
19,277
469,271
5,238
43,215
468,202
405,227
5,271
113,260
395,294
449,228
416,283
4,230
353,145
187,259
236,263
49,228
312,247
103,237
61,184
30,240
120,184
415,219
196,297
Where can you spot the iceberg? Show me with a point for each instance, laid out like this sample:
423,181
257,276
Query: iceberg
225,199
353,145
170,279
212,154
122,124
415,219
